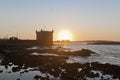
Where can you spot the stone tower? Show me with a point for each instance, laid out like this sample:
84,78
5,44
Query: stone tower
44,38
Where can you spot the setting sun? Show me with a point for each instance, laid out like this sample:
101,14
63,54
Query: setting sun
64,35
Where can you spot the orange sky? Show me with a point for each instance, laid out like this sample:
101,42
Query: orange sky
85,20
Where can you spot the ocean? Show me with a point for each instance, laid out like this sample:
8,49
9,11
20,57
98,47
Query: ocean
104,53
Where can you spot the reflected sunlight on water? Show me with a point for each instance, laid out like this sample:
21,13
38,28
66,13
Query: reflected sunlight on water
105,53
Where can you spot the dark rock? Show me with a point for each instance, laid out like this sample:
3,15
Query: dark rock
18,79
16,69
37,77
1,71
83,52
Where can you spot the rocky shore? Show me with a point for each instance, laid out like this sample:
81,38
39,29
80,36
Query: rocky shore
55,67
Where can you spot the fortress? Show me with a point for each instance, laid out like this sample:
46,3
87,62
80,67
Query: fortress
43,38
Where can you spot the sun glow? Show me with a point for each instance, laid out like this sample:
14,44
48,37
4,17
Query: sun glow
64,35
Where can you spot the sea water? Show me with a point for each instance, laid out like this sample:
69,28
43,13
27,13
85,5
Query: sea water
104,53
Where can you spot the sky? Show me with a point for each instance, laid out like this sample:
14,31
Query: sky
84,19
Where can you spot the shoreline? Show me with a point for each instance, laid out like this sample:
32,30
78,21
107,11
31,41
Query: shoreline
55,67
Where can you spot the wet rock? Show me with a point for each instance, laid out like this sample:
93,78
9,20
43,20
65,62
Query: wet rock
10,64
97,75
18,79
65,76
90,74
37,77
9,72
15,69
116,76
83,52
6,66
26,71
1,71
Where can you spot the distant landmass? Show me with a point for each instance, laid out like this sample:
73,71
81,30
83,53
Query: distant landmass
96,42
102,42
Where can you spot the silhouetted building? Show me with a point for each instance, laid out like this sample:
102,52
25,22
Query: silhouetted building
13,38
44,38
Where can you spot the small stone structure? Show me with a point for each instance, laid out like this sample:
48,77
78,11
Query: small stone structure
44,38
13,38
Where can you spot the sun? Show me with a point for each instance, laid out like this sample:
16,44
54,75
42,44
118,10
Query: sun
64,35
